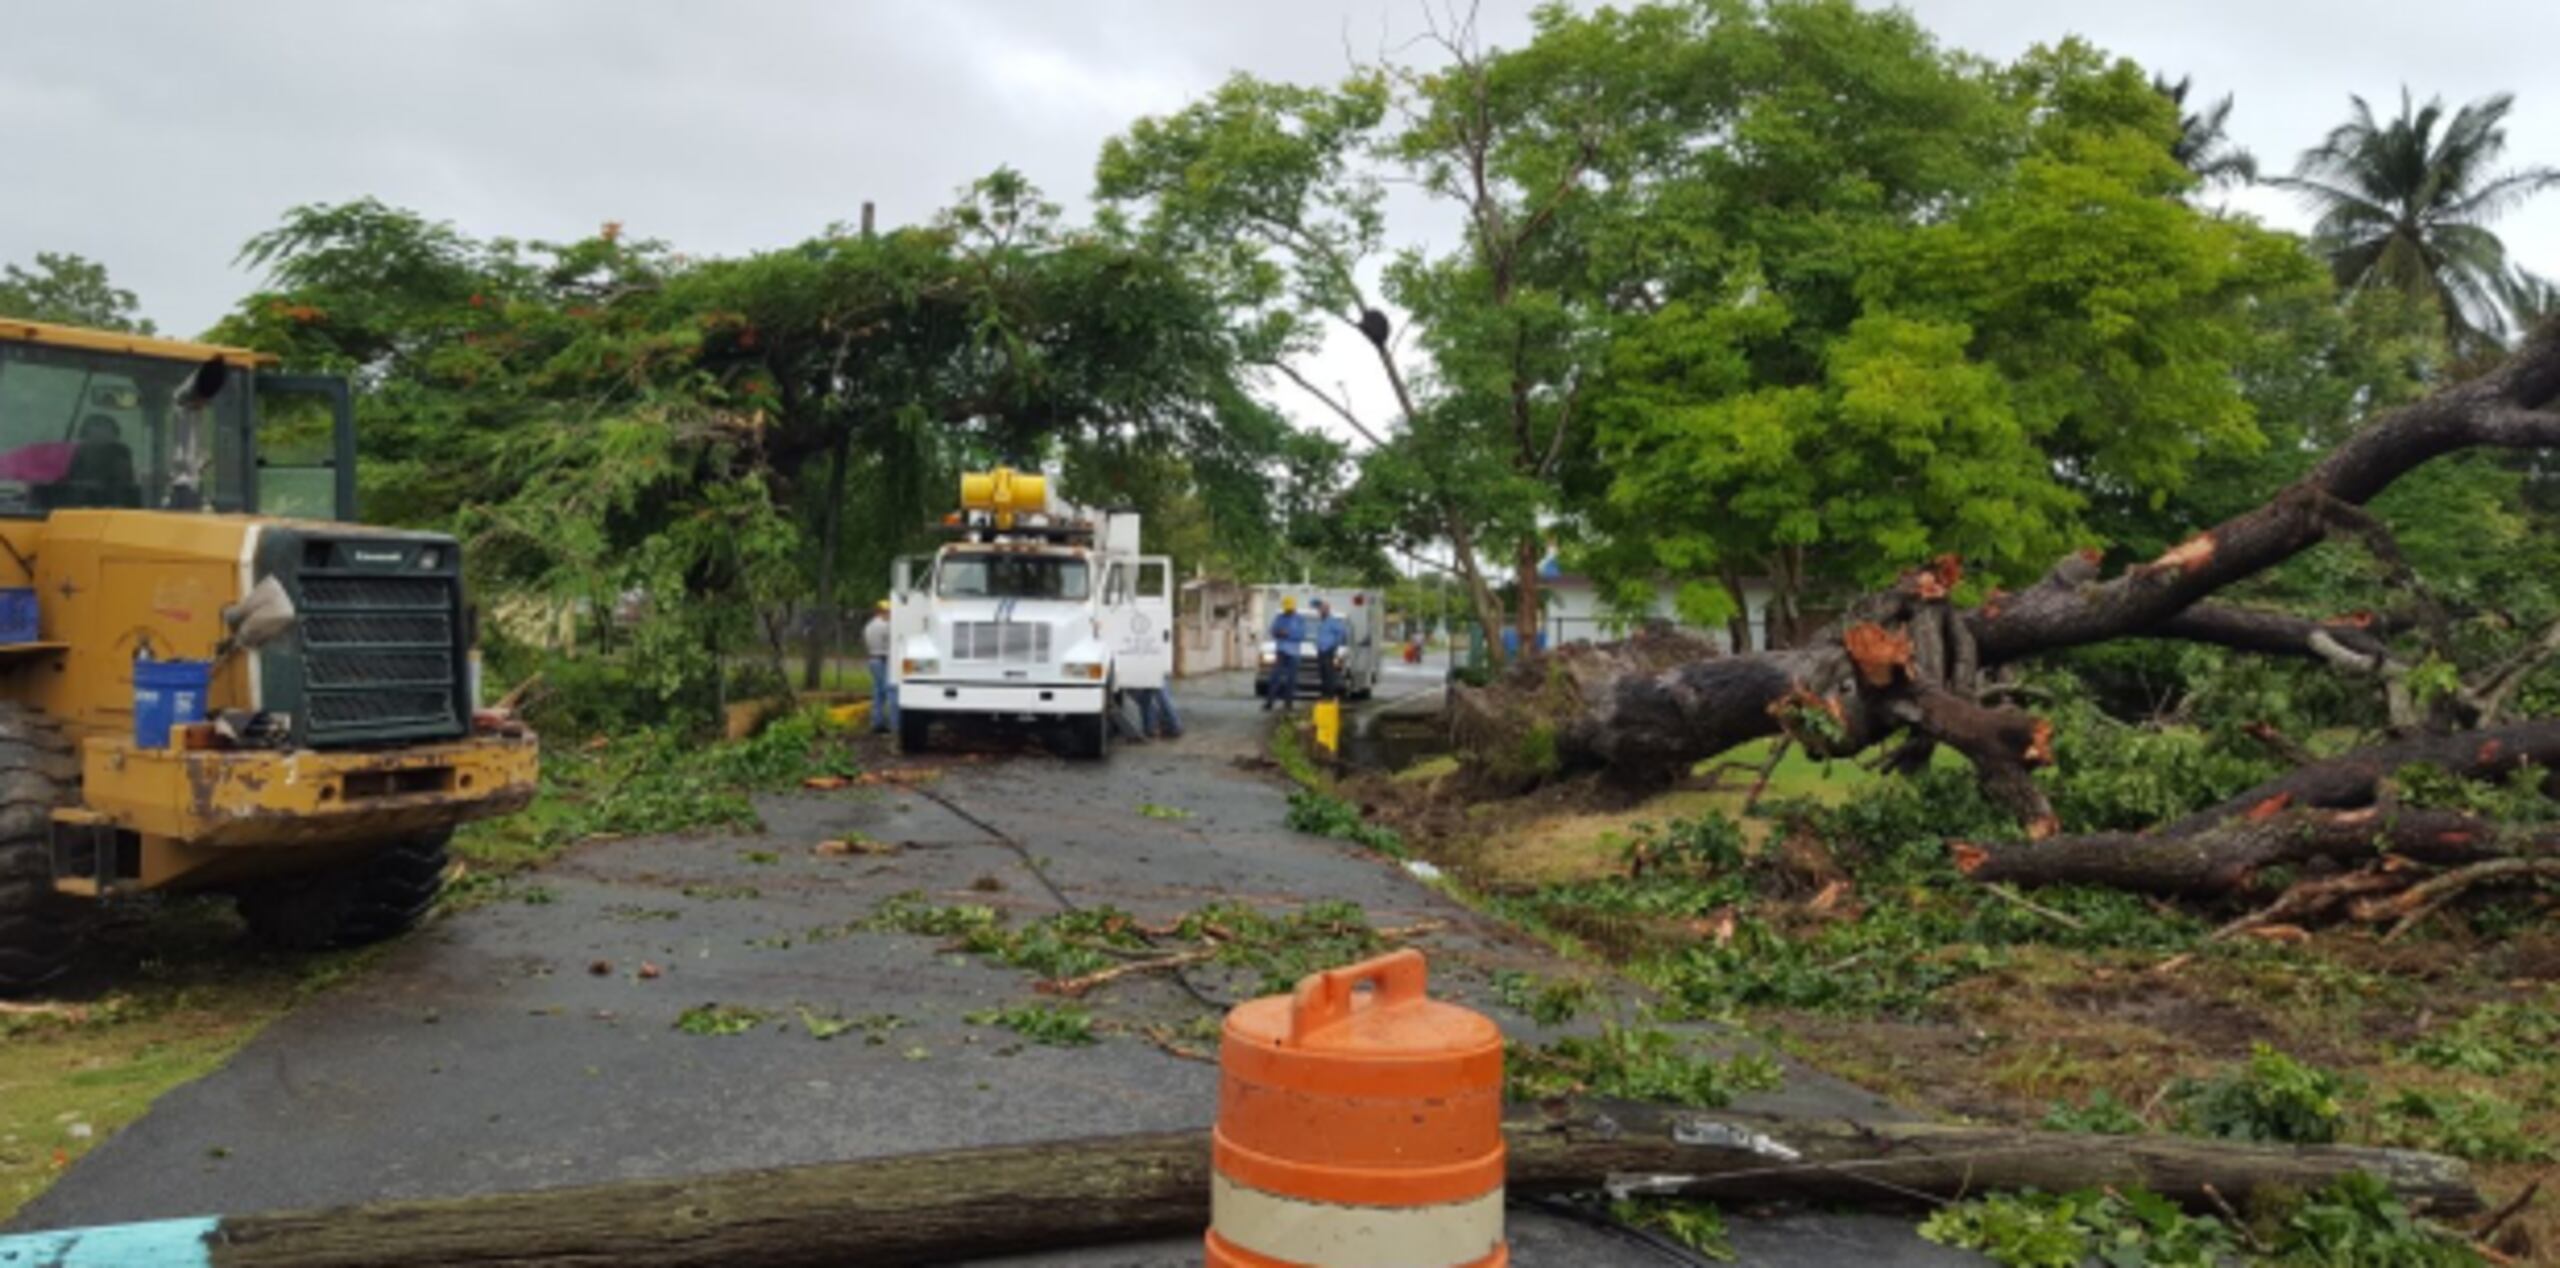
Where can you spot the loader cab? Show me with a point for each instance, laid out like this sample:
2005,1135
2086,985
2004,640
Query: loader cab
93,419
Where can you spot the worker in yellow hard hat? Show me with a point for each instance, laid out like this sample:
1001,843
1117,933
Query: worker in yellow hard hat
1288,633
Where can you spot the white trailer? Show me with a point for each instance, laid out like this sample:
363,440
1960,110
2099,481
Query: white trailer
1035,614
1360,613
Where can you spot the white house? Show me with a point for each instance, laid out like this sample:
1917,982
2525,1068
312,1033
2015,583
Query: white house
1575,613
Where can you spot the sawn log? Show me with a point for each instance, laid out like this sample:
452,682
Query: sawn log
934,1208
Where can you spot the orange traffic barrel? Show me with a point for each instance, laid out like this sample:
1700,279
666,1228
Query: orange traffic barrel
1359,1123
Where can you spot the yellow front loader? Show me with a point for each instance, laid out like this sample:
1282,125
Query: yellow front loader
181,513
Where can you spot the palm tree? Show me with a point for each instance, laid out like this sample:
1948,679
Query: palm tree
2204,144
2407,204
2529,300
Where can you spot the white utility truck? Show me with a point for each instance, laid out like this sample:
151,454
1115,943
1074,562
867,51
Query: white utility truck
1358,611
1035,614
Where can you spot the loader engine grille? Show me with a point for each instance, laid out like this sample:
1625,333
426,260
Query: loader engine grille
382,655
1000,642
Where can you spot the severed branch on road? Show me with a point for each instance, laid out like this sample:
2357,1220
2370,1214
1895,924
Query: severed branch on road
968,1204
1076,987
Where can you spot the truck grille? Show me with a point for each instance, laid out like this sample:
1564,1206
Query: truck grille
1002,642
380,658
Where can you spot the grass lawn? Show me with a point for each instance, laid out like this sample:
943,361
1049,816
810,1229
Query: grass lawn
1579,845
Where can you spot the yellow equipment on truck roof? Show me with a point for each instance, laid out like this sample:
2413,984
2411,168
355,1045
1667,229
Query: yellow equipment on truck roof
1005,492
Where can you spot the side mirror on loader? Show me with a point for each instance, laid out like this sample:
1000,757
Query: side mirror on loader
262,616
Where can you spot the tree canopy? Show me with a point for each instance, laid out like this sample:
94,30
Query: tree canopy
1742,291
72,290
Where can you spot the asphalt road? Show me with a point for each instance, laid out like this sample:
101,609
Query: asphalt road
484,1054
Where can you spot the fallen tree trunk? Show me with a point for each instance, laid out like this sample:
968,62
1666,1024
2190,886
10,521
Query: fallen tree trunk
1648,724
936,1208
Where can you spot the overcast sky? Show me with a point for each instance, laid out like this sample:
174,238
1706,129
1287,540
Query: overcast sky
156,137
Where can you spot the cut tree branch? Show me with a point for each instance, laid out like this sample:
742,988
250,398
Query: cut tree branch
2330,814
2234,858
2271,633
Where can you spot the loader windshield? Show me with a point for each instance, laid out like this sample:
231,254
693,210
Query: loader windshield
86,428
996,575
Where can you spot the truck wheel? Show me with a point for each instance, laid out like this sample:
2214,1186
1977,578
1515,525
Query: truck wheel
39,927
1093,739
382,895
915,727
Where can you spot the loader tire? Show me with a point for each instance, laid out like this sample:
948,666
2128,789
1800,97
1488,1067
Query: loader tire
39,928
381,895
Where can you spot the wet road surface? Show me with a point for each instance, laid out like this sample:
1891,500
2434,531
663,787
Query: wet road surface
484,1054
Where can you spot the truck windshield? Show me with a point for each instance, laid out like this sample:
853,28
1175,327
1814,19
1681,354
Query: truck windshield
83,428
1007,576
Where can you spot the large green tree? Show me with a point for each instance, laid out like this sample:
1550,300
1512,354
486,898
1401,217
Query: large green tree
2406,203
72,290
1930,306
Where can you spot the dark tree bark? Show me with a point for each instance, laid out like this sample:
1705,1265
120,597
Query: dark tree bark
2234,857
2333,814
2352,781
969,1204
827,629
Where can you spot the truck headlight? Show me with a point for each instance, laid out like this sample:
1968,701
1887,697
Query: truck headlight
926,665
1092,669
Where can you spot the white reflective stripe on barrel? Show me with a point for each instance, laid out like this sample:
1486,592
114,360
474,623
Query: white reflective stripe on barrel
1298,1231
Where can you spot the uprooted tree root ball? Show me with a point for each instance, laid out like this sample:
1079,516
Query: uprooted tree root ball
1527,725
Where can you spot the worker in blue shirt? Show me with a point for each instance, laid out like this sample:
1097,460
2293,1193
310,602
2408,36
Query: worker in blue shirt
1288,631
1332,632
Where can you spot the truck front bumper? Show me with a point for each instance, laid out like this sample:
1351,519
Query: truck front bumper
194,809
1001,699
